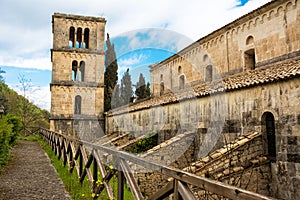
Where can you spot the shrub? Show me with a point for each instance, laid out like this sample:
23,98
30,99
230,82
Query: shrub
149,141
16,122
5,136
9,129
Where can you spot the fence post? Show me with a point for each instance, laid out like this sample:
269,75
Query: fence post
120,183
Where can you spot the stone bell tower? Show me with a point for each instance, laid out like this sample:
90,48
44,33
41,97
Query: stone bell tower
77,86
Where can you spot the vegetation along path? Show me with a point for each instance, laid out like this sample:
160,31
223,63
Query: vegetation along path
30,175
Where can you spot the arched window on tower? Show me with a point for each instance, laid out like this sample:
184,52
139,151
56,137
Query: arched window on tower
268,126
72,37
82,69
79,38
86,38
74,70
77,108
208,73
181,82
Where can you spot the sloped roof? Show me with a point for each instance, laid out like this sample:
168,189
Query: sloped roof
241,141
251,78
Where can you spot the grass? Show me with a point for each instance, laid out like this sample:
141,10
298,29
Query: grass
71,181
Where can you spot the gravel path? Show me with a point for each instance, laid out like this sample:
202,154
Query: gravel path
30,175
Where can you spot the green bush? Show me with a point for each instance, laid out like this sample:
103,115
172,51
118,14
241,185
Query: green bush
9,129
149,141
5,136
16,122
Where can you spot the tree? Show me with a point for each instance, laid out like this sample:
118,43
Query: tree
116,100
142,90
1,76
126,89
111,73
32,117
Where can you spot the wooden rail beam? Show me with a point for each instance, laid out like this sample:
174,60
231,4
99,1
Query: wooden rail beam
179,185
131,181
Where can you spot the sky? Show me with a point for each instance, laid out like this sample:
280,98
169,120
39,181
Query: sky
143,32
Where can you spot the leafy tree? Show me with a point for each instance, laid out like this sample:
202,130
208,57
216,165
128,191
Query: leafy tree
111,73
126,89
1,76
142,90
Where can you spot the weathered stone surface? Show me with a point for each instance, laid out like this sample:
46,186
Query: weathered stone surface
82,118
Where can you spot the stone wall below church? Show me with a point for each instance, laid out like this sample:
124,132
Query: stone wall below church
230,115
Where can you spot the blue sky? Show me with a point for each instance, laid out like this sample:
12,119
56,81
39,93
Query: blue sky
242,2
144,32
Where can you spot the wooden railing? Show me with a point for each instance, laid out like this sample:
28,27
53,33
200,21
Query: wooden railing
87,160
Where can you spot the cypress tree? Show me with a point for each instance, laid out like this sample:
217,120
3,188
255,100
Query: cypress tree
126,88
142,90
110,74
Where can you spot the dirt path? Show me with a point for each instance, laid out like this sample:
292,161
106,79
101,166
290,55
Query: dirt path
30,175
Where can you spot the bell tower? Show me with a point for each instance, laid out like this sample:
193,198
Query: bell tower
77,86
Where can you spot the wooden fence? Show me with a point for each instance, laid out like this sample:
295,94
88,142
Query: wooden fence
86,159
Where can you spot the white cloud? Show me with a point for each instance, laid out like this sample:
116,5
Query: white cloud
40,96
37,62
26,36
26,25
132,60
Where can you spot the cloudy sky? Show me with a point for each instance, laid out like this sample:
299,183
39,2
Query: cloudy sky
143,32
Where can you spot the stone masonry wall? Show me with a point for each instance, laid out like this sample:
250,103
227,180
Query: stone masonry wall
177,152
233,114
241,163
87,122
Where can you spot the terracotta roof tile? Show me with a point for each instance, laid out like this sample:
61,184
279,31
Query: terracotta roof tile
222,151
245,79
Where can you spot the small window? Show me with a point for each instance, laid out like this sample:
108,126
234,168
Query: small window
162,88
179,70
208,73
77,109
79,38
249,40
82,69
72,37
74,70
161,77
269,127
205,59
249,59
181,82
86,38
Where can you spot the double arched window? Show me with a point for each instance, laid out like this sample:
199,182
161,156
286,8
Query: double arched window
79,38
78,71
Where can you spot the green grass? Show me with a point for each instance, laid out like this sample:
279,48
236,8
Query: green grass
71,181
